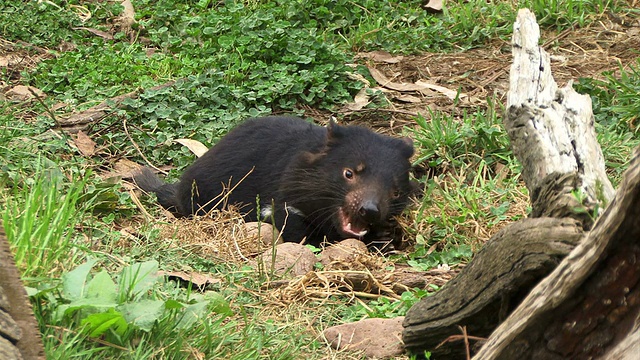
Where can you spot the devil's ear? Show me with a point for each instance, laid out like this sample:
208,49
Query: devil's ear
334,131
407,147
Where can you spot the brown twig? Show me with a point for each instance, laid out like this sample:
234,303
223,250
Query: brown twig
46,108
464,337
126,131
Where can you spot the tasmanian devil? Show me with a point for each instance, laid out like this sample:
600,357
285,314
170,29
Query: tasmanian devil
312,182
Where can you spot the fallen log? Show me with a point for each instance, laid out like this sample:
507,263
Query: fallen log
589,307
552,134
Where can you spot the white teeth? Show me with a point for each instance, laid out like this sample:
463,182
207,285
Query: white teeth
361,233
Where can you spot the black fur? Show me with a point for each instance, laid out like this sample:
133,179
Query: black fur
318,179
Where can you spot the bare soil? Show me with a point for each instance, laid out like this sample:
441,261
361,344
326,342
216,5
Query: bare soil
606,46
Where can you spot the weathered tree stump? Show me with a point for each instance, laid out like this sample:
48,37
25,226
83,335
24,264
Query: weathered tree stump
589,307
553,136
491,286
19,334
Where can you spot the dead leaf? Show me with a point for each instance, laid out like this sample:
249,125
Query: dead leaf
10,59
382,56
408,99
21,93
198,279
421,86
451,94
85,145
359,101
433,6
81,12
103,34
381,79
358,77
126,168
195,146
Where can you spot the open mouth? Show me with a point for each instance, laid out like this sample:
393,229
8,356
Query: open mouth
350,226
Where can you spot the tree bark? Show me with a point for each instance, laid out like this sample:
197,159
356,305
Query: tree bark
490,287
19,334
589,306
552,134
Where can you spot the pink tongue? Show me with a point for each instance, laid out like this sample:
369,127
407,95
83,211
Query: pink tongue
349,227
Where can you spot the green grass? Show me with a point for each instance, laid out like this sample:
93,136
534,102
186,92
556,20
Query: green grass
45,210
232,60
615,106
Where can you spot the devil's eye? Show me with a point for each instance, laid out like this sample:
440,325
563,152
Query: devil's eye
347,173
395,194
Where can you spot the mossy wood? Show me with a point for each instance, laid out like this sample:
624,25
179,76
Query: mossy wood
552,134
19,334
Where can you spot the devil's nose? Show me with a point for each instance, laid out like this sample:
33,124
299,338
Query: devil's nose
369,211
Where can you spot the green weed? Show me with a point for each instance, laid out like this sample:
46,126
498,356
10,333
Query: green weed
569,13
615,107
475,182
446,142
39,219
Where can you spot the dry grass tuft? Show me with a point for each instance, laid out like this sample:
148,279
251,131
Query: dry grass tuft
222,235
372,278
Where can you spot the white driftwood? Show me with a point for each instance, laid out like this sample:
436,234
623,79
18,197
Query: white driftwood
627,349
551,130
571,313
588,307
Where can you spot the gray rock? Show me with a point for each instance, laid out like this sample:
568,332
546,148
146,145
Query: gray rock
378,338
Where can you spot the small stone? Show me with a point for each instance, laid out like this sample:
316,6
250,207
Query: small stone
265,230
378,338
290,258
344,251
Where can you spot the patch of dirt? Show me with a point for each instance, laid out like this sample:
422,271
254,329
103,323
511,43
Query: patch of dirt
607,45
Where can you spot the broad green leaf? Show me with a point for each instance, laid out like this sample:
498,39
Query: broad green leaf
74,282
192,313
31,291
102,287
138,278
173,304
101,322
59,312
143,313
225,41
